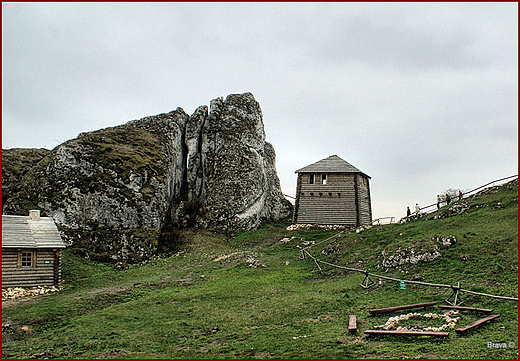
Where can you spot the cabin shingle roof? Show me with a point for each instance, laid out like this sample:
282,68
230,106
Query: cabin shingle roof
332,164
23,232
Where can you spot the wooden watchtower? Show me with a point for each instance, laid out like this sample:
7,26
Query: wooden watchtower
332,191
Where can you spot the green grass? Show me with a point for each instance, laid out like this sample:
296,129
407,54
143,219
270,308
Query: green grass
207,301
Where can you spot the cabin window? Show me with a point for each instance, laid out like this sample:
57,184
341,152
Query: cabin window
323,179
311,178
339,194
330,194
312,194
25,259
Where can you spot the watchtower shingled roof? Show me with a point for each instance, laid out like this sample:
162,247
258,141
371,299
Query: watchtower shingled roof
332,164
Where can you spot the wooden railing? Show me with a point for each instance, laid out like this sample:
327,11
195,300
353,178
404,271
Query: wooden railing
378,221
433,207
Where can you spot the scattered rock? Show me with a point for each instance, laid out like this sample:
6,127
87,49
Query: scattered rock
409,255
26,329
295,227
454,210
254,262
331,248
308,243
498,205
286,239
446,242
464,257
211,331
225,256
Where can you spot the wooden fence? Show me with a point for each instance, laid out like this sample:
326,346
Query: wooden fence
433,207
454,298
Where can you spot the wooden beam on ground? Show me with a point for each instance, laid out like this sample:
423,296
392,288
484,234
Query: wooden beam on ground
407,333
352,324
476,323
397,308
487,310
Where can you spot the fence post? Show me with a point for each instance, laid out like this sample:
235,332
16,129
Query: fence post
457,300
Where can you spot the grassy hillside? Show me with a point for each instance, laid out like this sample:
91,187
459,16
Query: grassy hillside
252,297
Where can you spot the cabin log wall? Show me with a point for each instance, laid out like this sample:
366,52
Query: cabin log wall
40,274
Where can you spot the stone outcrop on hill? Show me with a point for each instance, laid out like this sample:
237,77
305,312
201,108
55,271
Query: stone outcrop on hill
118,192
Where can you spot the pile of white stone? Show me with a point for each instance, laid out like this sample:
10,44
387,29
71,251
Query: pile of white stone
332,227
393,322
20,293
411,255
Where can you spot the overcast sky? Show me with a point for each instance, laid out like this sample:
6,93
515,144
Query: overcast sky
420,96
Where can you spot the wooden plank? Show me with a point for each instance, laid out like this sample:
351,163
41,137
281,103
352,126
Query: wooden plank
487,310
476,323
352,324
407,333
397,308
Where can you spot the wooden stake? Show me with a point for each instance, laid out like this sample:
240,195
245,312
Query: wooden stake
457,300
476,323
352,324
317,265
487,310
407,333
397,308
367,282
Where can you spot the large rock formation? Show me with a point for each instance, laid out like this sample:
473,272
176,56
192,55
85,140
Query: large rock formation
118,192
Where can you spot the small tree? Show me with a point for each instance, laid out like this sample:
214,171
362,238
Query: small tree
452,192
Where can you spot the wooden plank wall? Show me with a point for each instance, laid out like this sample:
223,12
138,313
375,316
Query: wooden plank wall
334,202
325,206
297,201
365,208
43,274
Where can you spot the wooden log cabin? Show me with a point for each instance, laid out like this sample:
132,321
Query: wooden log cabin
332,192
31,251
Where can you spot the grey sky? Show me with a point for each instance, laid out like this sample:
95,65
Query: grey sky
421,96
